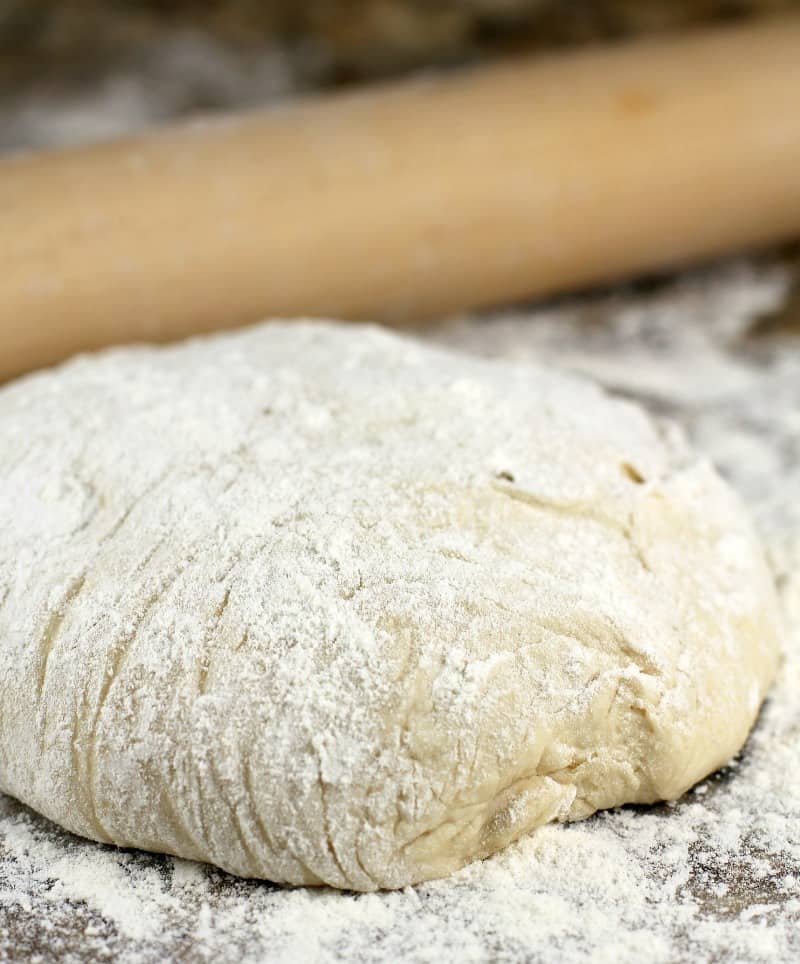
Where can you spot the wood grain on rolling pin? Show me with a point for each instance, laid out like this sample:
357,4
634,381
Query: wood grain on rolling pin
407,202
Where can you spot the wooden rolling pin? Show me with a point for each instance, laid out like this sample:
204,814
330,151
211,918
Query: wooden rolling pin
409,201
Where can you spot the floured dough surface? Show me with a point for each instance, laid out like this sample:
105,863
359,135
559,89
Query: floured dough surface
318,604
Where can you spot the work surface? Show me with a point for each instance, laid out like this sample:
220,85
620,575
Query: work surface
715,876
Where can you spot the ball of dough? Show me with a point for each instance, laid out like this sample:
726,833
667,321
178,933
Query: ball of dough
318,604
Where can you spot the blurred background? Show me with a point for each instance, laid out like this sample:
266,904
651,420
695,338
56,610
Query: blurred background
76,70
73,71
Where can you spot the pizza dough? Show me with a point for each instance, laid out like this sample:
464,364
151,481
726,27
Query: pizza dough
317,604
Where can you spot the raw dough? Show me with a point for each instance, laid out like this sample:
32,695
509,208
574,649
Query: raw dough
318,604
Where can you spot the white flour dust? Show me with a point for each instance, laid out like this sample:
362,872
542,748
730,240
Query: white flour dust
714,877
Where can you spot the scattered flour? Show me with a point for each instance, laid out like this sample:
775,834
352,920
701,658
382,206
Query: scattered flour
714,877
